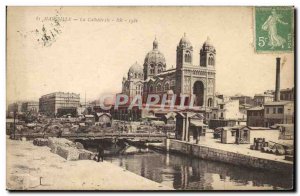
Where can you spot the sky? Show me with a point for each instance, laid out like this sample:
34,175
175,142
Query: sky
90,55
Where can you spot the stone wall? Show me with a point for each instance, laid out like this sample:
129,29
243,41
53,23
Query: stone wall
227,157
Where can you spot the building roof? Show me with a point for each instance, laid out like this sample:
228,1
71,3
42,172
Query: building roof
263,95
278,103
208,43
102,113
155,55
170,114
287,89
256,108
89,115
198,123
165,72
276,126
136,68
258,128
158,122
184,42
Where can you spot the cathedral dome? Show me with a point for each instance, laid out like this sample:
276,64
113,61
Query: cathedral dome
155,56
135,70
184,42
207,45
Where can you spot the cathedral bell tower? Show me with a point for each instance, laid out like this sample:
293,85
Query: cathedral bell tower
184,53
207,54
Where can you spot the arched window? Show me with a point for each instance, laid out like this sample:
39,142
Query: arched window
188,57
151,69
151,89
211,60
159,68
209,102
167,86
158,88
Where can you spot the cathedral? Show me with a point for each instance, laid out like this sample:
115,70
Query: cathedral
196,82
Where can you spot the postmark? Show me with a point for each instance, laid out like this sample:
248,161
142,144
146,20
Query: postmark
274,29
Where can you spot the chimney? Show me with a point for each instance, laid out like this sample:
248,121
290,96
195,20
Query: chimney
277,87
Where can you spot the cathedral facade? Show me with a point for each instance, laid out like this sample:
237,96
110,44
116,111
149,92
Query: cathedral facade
195,82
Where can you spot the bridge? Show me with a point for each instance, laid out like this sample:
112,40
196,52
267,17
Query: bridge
142,137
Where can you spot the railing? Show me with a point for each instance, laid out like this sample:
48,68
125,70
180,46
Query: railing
93,135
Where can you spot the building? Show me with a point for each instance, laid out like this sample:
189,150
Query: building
30,106
261,99
15,107
287,94
227,110
67,112
195,81
213,124
255,116
50,103
190,126
243,99
279,112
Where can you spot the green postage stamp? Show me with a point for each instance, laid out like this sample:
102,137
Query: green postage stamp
274,29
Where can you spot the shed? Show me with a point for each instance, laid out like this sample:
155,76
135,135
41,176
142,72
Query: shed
227,135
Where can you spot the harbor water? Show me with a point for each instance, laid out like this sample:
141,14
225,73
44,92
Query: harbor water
185,173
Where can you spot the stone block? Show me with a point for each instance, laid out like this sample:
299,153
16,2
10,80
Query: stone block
85,155
79,145
68,153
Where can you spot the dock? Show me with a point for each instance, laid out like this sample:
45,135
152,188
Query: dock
31,167
230,153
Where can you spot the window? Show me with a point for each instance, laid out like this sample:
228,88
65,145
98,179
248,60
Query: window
151,89
267,110
167,86
209,102
158,88
274,110
151,69
280,111
233,133
221,106
159,68
221,114
187,57
211,60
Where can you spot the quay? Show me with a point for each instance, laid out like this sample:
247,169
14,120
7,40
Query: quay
31,167
242,155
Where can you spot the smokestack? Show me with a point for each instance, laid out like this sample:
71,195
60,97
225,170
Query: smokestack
277,88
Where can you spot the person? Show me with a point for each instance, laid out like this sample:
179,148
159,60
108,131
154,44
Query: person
100,153
270,25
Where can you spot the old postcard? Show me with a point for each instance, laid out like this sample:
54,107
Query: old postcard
150,98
